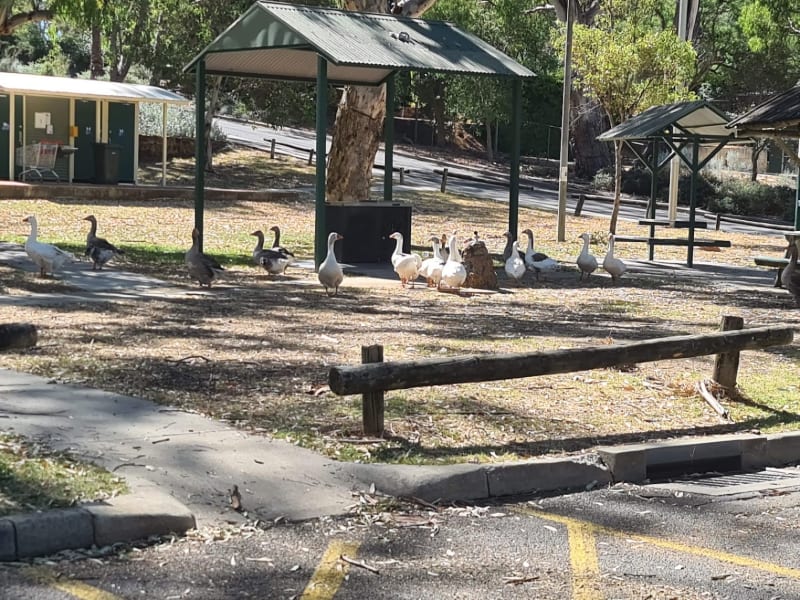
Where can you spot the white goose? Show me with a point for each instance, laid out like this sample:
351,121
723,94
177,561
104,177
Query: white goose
47,257
454,274
405,265
431,268
330,272
537,261
515,266
587,263
615,267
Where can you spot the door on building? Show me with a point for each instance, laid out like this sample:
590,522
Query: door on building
5,135
121,131
85,120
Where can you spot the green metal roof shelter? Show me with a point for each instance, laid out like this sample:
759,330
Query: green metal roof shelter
306,43
683,127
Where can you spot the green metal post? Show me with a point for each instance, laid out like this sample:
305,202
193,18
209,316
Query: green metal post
320,233
797,204
651,207
692,202
516,125
388,140
200,146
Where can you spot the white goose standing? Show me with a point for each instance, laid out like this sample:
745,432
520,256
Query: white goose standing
405,265
615,267
330,272
514,265
454,274
587,263
431,268
47,257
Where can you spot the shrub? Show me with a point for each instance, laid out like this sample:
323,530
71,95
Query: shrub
603,180
180,121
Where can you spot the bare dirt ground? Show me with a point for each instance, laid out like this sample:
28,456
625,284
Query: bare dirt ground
256,350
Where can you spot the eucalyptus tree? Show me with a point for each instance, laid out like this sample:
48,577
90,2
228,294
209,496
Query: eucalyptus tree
628,65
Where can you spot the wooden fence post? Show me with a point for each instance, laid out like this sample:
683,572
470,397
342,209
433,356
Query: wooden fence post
272,149
372,402
444,180
310,157
719,220
402,178
579,204
726,364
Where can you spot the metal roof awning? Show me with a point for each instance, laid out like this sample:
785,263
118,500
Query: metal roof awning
779,115
679,121
68,87
282,41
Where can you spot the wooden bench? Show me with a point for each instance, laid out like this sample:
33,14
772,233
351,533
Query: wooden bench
674,224
772,262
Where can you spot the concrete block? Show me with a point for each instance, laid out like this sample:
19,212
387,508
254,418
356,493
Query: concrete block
8,541
754,453
44,533
545,474
138,516
782,449
625,463
430,483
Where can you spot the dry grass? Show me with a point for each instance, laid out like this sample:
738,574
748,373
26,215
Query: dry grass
256,351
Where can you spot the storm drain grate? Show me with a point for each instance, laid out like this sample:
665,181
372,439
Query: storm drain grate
720,484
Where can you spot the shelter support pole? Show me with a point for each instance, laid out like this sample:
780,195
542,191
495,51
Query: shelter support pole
516,126
12,138
200,146
320,233
563,165
164,144
651,207
693,202
388,140
797,199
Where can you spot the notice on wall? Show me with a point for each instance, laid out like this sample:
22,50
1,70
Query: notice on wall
41,120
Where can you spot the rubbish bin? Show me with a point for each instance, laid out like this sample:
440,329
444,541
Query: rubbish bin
106,163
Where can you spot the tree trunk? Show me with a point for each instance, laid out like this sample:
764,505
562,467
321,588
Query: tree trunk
356,136
589,155
755,152
612,227
96,54
359,121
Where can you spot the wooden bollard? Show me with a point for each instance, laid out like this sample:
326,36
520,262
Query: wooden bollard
726,364
272,149
719,220
579,204
444,180
17,335
310,157
372,403
402,178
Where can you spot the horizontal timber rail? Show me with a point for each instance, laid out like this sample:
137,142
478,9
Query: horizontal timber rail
374,377
384,376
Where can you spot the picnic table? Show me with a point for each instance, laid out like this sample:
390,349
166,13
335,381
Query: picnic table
652,241
777,262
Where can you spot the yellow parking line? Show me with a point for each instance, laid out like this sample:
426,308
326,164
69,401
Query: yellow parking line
583,558
77,589
331,571
710,553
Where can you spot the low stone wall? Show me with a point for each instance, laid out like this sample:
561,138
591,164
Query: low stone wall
150,147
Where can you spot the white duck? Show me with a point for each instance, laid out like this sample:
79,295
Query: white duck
330,272
47,257
587,263
405,265
537,261
454,274
615,267
431,268
515,266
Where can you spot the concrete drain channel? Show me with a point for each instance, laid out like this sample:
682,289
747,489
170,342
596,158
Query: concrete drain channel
724,484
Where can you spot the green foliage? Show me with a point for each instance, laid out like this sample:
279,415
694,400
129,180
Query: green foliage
745,197
180,121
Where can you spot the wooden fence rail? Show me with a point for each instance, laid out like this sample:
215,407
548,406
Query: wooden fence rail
373,378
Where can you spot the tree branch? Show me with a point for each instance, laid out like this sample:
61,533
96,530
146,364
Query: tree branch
14,21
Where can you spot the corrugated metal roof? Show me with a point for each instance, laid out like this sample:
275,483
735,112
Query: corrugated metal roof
680,120
279,40
778,114
42,85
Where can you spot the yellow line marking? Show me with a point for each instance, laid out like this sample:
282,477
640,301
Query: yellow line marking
583,558
78,589
331,571
734,559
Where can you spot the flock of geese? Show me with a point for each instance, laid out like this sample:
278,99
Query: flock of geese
443,270
446,270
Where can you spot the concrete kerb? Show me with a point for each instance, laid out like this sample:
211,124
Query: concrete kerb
121,519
